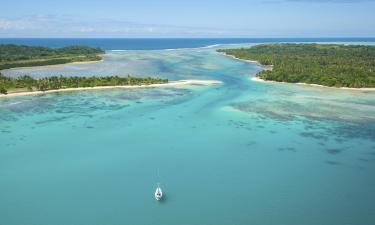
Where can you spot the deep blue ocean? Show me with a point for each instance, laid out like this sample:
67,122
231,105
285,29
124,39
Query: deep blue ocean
161,43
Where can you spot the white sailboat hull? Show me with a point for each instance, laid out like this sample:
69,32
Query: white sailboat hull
158,194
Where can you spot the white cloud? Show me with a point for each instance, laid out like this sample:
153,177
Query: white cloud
70,26
13,24
4,24
58,25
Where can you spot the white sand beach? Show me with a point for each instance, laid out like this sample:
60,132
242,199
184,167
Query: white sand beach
170,83
265,67
257,79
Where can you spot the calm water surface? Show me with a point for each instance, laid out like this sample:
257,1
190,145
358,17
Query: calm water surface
242,152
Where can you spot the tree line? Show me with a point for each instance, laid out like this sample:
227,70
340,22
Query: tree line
60,82
326,64
12,56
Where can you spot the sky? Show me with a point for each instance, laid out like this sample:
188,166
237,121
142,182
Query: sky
188,18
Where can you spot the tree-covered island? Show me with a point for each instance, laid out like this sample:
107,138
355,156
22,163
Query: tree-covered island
331,65
28,84
12,56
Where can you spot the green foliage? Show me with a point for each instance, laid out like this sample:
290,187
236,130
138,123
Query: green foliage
330,65
20,56
3,90
60,82
12,56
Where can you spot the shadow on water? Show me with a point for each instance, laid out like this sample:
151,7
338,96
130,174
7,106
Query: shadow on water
290,149
334,151
332,163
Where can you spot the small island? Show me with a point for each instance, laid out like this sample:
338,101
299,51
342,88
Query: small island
29,84
26,85
333,65
12,56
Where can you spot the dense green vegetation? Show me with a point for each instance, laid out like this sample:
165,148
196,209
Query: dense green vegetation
12,56
330,65
27,83
20,56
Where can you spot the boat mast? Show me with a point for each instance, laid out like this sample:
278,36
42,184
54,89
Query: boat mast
158,174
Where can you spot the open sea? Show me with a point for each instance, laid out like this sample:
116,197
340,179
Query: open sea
238,153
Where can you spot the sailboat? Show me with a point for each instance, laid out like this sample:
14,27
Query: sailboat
158,193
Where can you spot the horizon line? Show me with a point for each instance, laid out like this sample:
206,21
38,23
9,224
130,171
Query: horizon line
203,37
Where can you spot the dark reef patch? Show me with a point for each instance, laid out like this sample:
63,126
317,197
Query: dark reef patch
334,151
290,149
360,130
315,135
320,119
8,116
332,163
251,143
363,160
239,124
339,140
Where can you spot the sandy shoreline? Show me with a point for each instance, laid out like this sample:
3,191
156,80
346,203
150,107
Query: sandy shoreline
265,67
170,83
56,65
257,79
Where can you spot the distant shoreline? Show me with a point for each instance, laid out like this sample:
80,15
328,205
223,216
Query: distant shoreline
264,67
170,83
18,56
54,65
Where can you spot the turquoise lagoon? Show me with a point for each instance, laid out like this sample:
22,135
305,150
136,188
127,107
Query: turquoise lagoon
242,152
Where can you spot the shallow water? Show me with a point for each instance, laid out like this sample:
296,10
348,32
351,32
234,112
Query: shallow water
242,152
